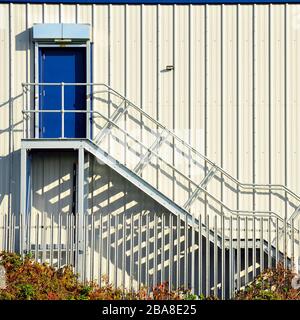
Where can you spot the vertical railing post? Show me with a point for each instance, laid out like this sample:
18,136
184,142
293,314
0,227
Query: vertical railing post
36,105
231,260
88,89
62,110
24,111
81,211
89,114
223,257
298,247
28,114
285,243
292,253
23,195
82,204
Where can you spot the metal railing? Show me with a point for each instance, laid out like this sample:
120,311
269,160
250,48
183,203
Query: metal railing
266,217
133,250
96,114
122,110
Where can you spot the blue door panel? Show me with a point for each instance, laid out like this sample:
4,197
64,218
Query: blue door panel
62,65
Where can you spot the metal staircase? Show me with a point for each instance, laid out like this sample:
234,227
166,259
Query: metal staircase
191,187
130,121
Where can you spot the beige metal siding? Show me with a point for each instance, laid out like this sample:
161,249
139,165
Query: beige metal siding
233,93
5,155
293,96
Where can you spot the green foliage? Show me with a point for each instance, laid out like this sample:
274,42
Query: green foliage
26,291
11,261
27,279
190,296
272,284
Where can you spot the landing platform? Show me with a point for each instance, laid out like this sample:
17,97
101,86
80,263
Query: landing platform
53,143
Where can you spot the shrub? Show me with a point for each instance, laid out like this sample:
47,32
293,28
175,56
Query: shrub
272,284
27,279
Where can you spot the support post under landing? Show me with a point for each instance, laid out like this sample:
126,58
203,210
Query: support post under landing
82,204
23,200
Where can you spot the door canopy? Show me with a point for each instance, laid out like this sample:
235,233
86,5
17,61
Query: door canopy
61,32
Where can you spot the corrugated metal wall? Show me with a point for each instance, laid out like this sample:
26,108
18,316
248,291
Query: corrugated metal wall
233,93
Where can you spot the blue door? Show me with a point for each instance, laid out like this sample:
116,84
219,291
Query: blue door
62,65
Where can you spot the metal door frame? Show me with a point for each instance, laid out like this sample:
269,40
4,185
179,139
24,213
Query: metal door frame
37,46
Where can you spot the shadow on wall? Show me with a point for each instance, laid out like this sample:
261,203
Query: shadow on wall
53,182
10,183
124,238
23,40
10,135
120,248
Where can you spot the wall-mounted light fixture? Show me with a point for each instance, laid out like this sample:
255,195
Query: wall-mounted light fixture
62,40
169,68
